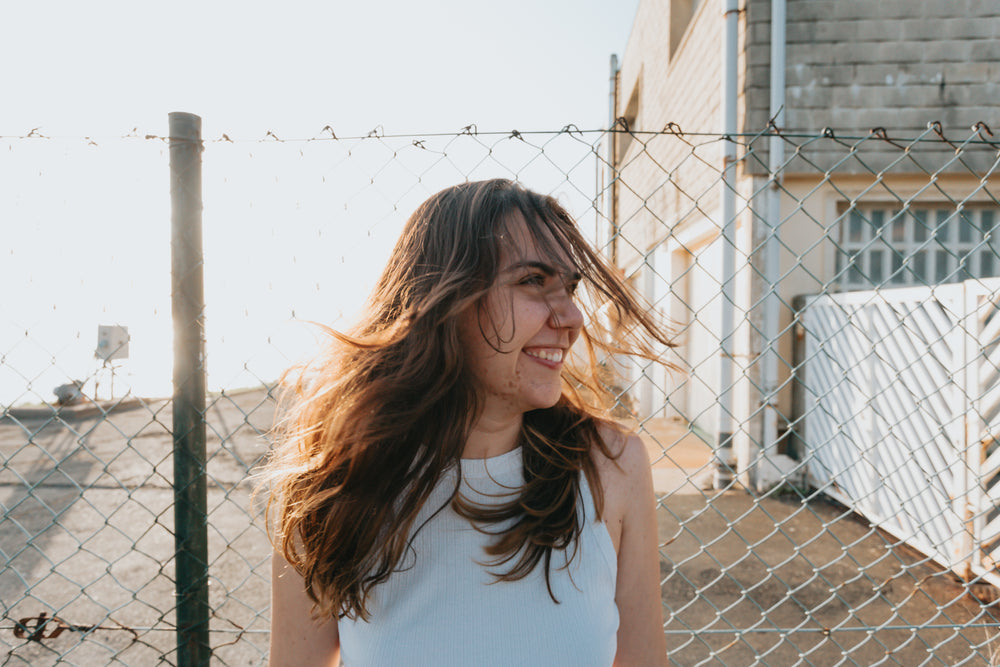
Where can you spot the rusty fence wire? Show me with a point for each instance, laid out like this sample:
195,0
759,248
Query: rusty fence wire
825,458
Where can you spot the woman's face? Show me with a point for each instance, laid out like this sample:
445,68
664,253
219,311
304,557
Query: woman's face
517,342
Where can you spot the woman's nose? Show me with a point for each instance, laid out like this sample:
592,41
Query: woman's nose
565,314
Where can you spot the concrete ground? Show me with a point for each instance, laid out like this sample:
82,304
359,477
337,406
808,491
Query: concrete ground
681,457
779,580
87,535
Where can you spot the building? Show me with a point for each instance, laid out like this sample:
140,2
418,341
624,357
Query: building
840,200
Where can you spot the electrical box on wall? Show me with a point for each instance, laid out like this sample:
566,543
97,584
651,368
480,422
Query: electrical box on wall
112,342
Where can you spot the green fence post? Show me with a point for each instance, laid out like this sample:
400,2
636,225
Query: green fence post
187,298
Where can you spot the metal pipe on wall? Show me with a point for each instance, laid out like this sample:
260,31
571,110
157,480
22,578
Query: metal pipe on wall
730,93
772,258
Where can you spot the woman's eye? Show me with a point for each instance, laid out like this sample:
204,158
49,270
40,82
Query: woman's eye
535,280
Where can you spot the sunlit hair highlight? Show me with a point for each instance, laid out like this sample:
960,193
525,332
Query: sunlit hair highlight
369,428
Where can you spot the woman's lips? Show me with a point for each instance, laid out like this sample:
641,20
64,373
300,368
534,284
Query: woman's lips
549,356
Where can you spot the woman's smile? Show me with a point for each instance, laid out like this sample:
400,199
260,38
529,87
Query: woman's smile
548,356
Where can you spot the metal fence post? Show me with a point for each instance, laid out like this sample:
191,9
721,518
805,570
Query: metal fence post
612,164
187,297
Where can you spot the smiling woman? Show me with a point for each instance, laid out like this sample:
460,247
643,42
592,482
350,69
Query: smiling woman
517,339
448,488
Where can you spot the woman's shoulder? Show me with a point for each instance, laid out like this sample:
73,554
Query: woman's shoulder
624,476
626,452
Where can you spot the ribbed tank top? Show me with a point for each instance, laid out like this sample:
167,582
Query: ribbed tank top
442,606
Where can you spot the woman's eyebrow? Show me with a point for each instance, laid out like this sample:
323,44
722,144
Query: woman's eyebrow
547,269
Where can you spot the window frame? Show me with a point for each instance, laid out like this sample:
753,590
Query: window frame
896,245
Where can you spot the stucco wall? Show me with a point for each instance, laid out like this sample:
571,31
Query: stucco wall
670,192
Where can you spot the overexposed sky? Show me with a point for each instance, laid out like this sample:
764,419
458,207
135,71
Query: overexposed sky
292,67
293,231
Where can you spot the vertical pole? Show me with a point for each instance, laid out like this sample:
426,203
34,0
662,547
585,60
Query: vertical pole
187,297
772,257
967,495
613,161
730,94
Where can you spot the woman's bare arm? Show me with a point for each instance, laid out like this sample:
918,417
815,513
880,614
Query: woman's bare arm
631,505
296,637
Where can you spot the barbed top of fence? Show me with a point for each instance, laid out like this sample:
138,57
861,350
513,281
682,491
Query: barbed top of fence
980,133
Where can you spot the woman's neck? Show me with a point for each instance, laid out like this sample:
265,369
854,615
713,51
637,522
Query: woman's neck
492,436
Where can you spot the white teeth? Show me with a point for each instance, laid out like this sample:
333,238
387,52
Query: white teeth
555,355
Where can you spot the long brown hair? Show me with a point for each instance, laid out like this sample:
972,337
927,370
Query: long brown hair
369,428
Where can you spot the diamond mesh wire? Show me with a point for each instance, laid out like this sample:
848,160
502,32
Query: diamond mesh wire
865,534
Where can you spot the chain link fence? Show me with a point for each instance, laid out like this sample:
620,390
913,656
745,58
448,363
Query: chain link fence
824,461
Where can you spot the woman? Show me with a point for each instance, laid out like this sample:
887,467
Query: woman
445,491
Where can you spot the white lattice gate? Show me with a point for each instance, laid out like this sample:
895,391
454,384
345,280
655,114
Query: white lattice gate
901,403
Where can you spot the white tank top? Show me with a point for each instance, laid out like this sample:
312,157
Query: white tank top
443,607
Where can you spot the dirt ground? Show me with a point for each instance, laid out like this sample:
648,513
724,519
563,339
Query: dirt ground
796,578
86,536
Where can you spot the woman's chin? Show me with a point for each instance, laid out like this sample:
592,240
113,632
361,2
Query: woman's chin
542,402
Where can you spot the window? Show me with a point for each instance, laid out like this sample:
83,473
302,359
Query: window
681,13
922,245
631,115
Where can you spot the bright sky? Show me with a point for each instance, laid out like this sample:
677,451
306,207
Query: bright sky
288,227
293,67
